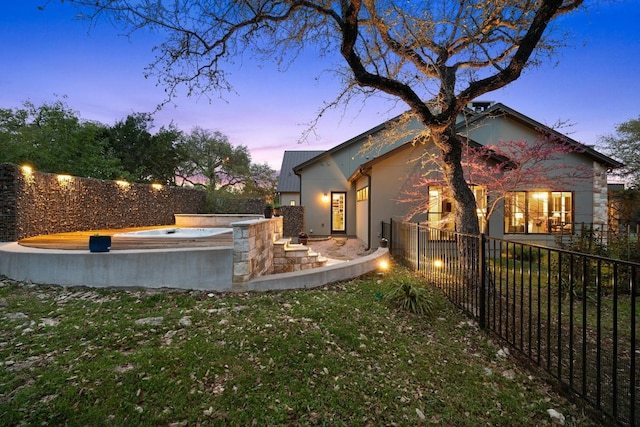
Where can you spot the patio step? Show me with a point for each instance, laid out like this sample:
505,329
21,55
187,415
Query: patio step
288,257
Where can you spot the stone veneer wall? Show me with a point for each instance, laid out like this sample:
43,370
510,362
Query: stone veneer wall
42,203
600,194
253,247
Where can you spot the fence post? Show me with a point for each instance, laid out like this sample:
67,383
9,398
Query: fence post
417,246
391,236
483,281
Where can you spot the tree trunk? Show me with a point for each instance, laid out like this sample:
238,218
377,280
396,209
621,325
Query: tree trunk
465,211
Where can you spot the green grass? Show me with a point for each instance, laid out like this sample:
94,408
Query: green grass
339,355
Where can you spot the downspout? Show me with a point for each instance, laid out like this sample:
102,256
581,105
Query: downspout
368,175
299,186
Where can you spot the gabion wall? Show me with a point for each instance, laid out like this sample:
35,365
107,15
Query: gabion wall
293,220
38,203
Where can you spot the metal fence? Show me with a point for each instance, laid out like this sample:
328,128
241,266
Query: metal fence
573,315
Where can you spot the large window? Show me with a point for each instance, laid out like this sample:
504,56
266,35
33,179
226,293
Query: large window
441,207
362,194
538,212
480,194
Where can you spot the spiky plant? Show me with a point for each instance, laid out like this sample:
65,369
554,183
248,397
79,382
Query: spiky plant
408,293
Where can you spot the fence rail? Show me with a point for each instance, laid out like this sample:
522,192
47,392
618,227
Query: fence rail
573,315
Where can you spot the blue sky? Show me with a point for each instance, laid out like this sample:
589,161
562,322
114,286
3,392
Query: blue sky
48,54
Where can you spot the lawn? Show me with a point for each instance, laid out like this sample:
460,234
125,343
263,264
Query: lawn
337,355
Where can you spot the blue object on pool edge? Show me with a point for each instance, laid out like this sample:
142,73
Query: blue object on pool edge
99,243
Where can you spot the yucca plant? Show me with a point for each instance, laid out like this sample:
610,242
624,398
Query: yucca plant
408,293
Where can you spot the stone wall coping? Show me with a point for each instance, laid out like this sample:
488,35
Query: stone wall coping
256,216
248,222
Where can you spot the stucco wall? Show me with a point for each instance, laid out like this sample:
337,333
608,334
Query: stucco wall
287,198
38,203
321,178
390,180
501,130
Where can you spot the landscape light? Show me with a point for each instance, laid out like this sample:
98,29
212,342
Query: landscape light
123,184
156,186
27,171
438,263
64,180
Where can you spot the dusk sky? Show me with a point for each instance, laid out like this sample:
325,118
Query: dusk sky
48,54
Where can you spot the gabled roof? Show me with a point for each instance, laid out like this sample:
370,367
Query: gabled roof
487,110
288,181
346,144
365,167
498,109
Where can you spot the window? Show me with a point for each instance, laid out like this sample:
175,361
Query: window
362,194
538,212
441,207
480,194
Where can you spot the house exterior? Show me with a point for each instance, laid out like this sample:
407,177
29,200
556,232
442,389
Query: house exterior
288,182
350,189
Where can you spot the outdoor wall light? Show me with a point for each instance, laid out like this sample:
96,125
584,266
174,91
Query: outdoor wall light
325,197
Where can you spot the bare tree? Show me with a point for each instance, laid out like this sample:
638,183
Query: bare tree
436,56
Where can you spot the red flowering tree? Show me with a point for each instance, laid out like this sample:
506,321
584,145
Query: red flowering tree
498,170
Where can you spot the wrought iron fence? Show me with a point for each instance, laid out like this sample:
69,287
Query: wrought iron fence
572,314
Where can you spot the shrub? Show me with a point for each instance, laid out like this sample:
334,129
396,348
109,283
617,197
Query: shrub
409,293
520,252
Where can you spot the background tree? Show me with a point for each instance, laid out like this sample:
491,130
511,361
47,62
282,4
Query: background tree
625,208
262,181
210,160
144,157
435,56
52,138
625,146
